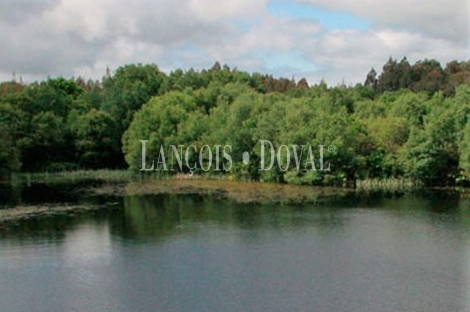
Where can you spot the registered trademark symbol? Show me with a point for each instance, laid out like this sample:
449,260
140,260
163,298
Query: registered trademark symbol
332,149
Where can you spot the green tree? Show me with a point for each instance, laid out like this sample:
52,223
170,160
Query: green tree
96,142
427,76
46,144
170,119
10,130
431,153
128,89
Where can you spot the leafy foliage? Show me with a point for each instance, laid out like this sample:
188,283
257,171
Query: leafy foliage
408,121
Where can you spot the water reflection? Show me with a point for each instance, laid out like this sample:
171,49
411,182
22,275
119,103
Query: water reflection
191,253
154,217
39,193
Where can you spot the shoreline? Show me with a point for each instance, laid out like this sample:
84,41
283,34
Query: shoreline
20,213
240,192
256,193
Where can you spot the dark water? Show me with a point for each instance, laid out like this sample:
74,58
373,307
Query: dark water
187,253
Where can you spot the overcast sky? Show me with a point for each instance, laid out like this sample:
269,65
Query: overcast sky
334,40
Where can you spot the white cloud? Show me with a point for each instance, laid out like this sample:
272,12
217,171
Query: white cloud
444,19
268,34
69,16
83,37
215,10
349,54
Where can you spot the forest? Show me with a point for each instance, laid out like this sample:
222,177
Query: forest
406,121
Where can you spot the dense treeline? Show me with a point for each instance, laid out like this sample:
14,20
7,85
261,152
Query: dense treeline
423,76
409,121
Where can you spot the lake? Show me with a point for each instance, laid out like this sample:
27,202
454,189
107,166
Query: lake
194,253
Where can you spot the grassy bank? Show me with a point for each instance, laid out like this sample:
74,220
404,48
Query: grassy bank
122,183
388,185
127,183
237,191
104,175
111,176
26,212
124,176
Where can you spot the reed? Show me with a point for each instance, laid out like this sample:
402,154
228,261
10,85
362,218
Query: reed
74,176
388,184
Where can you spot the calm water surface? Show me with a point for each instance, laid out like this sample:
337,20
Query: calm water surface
188,253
